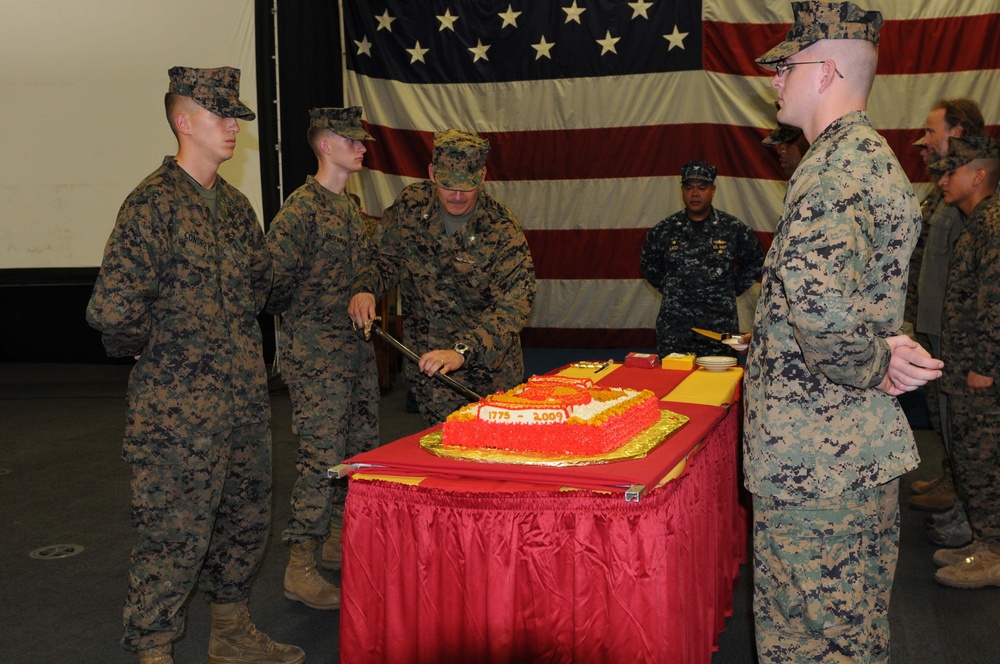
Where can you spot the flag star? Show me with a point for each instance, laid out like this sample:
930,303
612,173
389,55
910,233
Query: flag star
417,53
573,13
676,39
639,9
509,17
608,43
364,46
385,21
543,47
447,21
479,50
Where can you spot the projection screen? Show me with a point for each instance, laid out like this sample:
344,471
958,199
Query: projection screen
81,105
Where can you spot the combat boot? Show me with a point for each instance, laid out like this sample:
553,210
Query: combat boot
332,555
920,487
939,499
157,655
236,640
304,583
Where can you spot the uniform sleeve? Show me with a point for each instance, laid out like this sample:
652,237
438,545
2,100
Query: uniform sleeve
382,270
288,243
988,302
749,262
120,307
823,269
513,278
651,259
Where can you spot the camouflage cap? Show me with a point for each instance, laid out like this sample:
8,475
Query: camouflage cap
459,159
782,134
963,149
824,20
217,90
698,170
345,122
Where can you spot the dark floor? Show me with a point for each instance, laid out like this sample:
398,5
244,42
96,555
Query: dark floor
62,482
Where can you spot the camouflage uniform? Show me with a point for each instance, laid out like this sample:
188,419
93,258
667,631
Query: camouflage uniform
699,267
969,342
475,287
181,286
819,437
318,241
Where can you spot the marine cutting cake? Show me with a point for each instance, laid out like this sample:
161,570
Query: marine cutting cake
553,415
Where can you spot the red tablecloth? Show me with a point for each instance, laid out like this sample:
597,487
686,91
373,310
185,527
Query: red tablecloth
435,575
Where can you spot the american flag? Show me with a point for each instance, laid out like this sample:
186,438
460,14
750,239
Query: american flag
592,106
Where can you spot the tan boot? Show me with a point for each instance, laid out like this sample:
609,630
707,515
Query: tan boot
920,487
939,499
235,640
304,583
332,554
157,655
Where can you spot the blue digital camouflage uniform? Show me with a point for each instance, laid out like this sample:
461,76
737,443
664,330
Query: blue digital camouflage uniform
823,447
970,323
181,288
318,240
475,287
699,267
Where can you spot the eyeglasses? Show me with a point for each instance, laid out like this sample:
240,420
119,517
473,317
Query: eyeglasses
781,68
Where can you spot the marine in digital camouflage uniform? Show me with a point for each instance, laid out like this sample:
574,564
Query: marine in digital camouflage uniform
319,243
971,353
466,276
790,145
699,259
825,439
184,275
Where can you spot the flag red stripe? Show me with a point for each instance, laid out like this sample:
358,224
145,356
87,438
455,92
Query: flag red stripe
610,253
959,43
583,154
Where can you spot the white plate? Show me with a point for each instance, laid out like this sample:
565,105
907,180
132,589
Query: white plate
715,362
735,343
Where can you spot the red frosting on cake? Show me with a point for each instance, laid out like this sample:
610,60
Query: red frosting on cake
542,395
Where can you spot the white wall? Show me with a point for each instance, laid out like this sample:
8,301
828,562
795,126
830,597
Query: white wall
81,113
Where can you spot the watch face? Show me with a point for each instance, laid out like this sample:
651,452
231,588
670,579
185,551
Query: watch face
461,349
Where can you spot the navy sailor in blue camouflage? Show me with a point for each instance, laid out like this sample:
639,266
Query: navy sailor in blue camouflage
825,438
467,278
319,243
699,259
184,276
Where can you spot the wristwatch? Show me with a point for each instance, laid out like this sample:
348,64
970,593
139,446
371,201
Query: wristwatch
462,349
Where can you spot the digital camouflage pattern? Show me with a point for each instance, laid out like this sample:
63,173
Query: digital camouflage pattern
825,570
972,304
698,170
824,20
476,287
345,122
782,134
833,288
335,420
975,428
963,149
459,159
181,289
217,90
699,268
319,243
180,546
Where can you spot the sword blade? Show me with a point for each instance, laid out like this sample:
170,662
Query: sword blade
444,378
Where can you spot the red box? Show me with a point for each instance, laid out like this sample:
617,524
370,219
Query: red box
642,360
